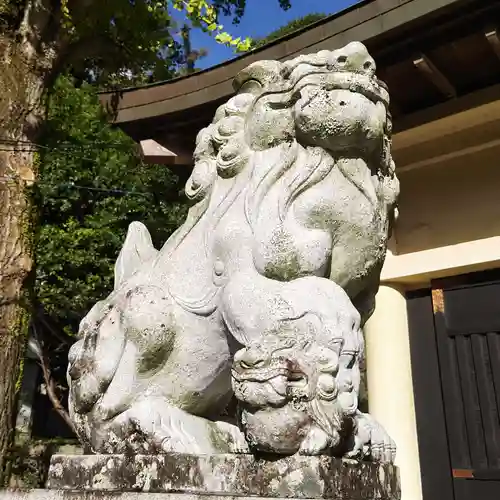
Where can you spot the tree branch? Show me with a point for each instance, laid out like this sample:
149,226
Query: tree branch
41,316
38,17
49,382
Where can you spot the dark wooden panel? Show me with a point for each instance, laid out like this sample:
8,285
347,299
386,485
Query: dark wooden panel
452,396
494,349
487,399
475,309
472,489
466,316
473,420
431,430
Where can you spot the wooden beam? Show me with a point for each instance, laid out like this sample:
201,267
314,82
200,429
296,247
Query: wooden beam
447,109
154,153
429,70
494,40
427,162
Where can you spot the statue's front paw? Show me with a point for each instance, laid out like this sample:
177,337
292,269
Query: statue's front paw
372,440
382,448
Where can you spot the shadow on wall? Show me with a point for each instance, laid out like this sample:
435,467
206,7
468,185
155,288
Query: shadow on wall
452,202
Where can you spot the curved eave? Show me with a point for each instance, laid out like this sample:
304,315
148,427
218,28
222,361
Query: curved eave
364,22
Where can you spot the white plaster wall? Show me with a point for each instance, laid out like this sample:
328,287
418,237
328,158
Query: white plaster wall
453,202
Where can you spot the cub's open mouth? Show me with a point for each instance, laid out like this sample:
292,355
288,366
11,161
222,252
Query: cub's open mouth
242,374
294,378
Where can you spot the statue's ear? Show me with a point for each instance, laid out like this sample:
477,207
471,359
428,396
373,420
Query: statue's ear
137,249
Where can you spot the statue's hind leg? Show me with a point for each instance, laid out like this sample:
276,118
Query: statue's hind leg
178,408
196,376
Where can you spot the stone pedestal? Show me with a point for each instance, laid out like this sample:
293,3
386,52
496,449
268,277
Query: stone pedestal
222,475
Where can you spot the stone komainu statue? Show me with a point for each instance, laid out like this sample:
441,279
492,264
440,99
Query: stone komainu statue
262,293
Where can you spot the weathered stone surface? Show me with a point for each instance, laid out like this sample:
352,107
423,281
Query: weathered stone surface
237,475
263,291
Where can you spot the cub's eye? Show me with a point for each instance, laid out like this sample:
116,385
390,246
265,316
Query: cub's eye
257,364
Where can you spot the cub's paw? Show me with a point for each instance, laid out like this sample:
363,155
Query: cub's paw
315,443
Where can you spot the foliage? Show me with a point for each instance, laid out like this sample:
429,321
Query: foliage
117,40
292,26
92,185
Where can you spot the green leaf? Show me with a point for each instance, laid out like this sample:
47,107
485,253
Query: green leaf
224,38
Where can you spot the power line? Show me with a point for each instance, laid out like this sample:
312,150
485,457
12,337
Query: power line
65,148
72,185
63,144
67,151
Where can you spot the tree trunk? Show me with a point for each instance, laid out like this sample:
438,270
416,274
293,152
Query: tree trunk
16,236
20,97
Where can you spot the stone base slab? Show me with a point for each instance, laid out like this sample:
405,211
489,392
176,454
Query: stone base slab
228,475
116,495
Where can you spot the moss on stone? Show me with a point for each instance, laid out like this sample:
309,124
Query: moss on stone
219,439
155,356
284,268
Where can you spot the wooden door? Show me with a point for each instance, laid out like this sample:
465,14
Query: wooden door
455,344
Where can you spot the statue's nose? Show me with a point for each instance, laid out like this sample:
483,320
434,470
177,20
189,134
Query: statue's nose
354,57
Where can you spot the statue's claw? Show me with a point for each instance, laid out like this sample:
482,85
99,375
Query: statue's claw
236,438
372,439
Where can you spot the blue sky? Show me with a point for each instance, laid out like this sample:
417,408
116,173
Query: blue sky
261,17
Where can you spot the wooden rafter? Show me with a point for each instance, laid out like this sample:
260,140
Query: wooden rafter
153,152
494,40
434,75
